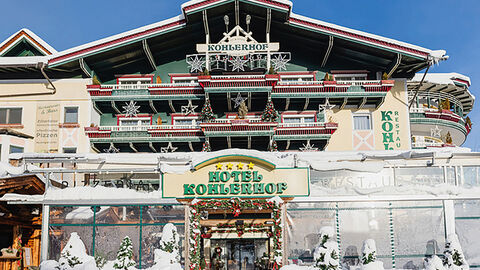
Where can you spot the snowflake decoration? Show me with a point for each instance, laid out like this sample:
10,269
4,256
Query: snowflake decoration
168,149
435,132
238,100
326,106
280,62
131,109
190,108
112,149
238,63
308,147
196,63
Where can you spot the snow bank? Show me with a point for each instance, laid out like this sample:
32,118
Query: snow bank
168,256
369,256
88,193
433,263
73,257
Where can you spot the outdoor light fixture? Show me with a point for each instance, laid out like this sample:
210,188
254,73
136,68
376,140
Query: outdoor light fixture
248,20
227,21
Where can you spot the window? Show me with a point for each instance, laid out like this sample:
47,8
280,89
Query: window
10,115
15,149
71,115
69,150
139,121
362,122
289,120
184,122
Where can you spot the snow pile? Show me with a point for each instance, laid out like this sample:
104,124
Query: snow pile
326,255
168,256
454,258
369,256
89,193
433,263
73,257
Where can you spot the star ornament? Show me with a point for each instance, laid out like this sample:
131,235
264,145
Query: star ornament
308,147
326,106
169,148
435,132
190,108
196,64
250,166
219,166
238,63
240,166
280,62
229,166
131,109
238,100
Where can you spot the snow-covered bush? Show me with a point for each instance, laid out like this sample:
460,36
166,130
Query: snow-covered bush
168,256
73,257
433,263
124,255
454,258
325,256
369,256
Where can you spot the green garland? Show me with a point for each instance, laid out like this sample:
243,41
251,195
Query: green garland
235,205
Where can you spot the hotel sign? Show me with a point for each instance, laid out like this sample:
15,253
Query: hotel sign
238,47
237,176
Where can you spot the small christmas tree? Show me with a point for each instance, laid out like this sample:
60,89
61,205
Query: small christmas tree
124,255
273,147
169,251
369,256
207,112
328,77
433,263
269,114
206,147
454,258
326,256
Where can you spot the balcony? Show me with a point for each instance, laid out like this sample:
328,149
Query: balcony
238,127
332,88
429,112
305,131
164,91
146,133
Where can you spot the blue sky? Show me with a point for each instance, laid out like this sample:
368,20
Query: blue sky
451,25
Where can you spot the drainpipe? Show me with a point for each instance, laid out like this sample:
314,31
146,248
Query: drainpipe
419,85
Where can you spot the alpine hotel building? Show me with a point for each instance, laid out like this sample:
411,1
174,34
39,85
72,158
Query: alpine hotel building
202,120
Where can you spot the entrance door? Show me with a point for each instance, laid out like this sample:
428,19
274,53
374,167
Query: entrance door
240,254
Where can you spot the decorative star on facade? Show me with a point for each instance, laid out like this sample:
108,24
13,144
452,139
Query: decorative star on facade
238,100
196,64
435,132
308,147
238,63
112,149
219,166
250,166
169,148
326,106
131,109
229,166
280,62
190,108
240,166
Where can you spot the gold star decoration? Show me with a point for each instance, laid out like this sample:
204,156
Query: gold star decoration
229,166
250,166
240,166
219,166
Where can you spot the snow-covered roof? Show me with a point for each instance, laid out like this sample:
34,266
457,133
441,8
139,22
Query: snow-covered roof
452,83
33,39
295,19
23,61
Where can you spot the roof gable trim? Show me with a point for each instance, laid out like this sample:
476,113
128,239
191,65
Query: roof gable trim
30,37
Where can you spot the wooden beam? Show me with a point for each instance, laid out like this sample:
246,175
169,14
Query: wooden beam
85,68
150,145
170,103
114,106
345,100
362,103
152,106
397,61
